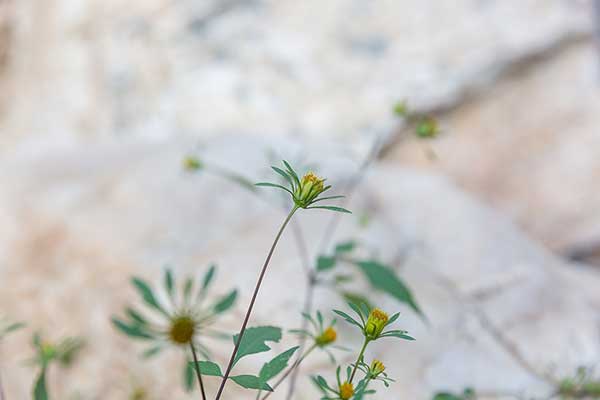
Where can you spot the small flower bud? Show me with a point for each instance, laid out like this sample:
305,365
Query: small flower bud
192,163
346,390
427,128
328,336
377,368
375,324
310,187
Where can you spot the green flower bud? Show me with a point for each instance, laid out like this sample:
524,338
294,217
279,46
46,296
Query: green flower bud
375,324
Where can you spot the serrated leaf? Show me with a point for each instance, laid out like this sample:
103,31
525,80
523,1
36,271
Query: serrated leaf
384,278
226,302
135,331
147,294
251,382
208,368
254,339
276,365
325,263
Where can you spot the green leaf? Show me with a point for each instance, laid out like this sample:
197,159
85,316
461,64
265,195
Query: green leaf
384,278
284,175
188,376
135,316
208,368
168,278
345,247
268,184
187,290
254,339
348,318
208,277
135,331
226,302
333,208
251,382
146,292
446,396
325,263
152,351
292,172
276,365
39,390
398,334
356,298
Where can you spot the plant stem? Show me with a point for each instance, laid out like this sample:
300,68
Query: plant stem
251,306
360,356
293,368
197,368
1,390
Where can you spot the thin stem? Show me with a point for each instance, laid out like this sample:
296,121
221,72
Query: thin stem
293,368
360,356
251,306
1,390
197,368
307,310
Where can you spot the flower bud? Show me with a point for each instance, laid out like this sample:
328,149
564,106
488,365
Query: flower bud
310,187
375,324
328,336
346,390
377,367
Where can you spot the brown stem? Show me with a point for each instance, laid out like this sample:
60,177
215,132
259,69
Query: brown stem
197,369
251,306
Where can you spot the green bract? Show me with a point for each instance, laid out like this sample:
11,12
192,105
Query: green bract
373,322
306,191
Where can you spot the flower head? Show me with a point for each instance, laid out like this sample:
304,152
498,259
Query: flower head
328,336
182,321
377,368
375,323
346,390
305,192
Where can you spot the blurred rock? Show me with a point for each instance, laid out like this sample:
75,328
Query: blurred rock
528,146
162,68
77,222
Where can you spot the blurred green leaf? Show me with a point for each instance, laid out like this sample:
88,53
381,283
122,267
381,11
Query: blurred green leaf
135,331
356,298
188,376
345,247
325,263
384,278
226,302
39,390
147,294
168,278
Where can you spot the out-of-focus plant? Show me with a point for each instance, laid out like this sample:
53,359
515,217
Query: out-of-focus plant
63,352
467,394
583,385
7,326
186,318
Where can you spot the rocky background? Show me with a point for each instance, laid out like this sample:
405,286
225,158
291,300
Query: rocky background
103,99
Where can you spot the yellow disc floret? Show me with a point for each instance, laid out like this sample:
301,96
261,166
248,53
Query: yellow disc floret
182,330
346,390
328,336
375,323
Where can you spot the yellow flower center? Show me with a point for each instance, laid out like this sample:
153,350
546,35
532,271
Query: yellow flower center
346,390
328,336
182,330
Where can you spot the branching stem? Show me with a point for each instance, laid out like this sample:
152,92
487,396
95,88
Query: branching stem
251,306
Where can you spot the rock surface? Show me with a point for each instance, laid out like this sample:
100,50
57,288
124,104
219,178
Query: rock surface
77,222
162,68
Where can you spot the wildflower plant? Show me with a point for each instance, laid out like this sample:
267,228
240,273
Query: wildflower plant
62,352
186,318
